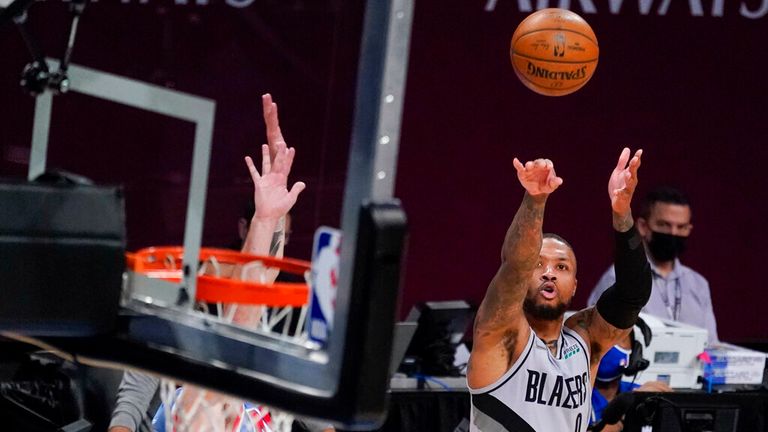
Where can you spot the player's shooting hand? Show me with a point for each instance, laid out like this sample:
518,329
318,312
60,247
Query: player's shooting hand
623,181
537,177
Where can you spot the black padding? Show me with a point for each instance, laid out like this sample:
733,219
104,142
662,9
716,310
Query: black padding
620,304
62,252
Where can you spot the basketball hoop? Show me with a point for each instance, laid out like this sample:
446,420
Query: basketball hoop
216,287
240,285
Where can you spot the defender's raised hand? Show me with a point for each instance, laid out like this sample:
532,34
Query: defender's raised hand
537,177
274,134
271,195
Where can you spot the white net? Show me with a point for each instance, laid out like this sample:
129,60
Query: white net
187,408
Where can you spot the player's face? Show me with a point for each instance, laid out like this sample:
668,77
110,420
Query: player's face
553,283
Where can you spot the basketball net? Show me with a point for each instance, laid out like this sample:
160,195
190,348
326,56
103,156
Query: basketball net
188,408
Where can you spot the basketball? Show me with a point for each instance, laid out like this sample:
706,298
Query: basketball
554,52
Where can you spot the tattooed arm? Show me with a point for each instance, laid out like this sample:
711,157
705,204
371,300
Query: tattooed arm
500,330
616,311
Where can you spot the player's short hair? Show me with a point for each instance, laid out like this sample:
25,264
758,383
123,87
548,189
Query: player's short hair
562,240
558,238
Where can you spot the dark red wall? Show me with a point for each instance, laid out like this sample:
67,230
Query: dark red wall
690,90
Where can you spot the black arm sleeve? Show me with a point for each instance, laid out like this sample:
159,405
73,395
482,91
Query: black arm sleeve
621,303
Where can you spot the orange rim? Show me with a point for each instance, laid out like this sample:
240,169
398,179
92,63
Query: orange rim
165,263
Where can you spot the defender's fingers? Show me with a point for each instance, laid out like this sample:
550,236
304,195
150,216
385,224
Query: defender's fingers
268,111
252,168
289,160
274,133
296,189
266,104
279,166
266,164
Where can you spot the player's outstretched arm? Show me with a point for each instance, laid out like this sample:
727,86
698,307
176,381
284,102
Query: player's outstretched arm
272,201
616,311
271,196
500,330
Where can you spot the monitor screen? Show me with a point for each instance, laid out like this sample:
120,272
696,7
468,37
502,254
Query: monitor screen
682,412
441,327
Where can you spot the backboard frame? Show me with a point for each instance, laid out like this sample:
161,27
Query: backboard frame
347,382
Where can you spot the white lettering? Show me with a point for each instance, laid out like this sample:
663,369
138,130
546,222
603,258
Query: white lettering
664,7
717,8
586,5
759,13
645,6
523,5
696,8
239,3
753,9
615,6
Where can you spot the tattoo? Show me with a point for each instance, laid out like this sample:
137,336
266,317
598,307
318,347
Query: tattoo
600,337
277,237
522,245
585,319
509,345
623,223
277,240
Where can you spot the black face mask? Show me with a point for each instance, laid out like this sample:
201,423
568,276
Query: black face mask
666,247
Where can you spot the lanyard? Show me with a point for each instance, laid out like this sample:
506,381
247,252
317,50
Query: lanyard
673,308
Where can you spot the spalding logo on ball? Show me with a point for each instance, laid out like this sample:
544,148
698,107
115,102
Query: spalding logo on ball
554,52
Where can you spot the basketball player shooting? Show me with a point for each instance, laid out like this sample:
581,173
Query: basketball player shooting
528,370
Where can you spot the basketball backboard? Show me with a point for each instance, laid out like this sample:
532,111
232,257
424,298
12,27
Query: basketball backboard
158,330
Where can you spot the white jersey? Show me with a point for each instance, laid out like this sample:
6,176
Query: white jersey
541,392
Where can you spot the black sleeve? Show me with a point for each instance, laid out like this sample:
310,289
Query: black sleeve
621,303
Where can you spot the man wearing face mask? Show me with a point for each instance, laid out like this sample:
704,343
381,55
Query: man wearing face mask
679,292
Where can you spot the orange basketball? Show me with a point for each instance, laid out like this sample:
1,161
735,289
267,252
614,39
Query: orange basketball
554,52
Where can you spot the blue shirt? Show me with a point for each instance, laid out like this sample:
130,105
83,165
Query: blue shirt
694,302
599,402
